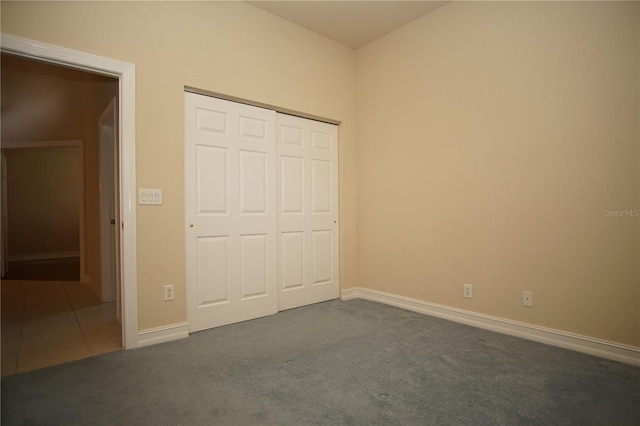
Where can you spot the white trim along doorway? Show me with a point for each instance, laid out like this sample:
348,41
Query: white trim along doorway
125,72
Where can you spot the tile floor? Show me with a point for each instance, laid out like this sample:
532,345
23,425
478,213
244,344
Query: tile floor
46,323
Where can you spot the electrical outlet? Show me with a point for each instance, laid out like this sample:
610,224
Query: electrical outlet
468,291
527,299
168,292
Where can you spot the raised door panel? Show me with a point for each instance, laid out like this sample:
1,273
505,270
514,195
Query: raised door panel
212,270
211,180
211,121
292,260
322,257
321,140
321,186
252,128
253,266
291,185
253,182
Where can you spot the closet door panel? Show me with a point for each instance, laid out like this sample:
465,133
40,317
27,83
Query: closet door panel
308,211
230,212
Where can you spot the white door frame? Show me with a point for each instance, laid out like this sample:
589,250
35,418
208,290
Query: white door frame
77,144
125,72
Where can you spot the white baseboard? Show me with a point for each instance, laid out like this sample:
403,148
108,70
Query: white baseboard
42,256
153,336
576,342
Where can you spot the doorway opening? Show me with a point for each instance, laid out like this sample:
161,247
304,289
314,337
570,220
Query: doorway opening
54,308
125,73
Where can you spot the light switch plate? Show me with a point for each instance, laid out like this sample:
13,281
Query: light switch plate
149,196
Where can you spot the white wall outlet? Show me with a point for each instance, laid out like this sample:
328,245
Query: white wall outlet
527,299
168,292
468,291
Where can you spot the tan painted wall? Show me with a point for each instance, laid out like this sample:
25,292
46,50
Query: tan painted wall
41,102
493,139
227,47
43,201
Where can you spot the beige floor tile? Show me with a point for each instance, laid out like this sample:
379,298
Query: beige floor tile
11,329
50,329
10,344
9,364
13,297
81,295
39,354
40,327
98,314
100,328
44,299
10,287
108,340
51,341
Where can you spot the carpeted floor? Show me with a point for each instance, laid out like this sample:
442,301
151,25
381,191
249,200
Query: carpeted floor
335,363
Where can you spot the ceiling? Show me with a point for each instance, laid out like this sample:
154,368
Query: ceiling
352,23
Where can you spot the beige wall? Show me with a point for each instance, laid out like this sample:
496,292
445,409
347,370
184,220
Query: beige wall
43,202
41,102
232,48
493,138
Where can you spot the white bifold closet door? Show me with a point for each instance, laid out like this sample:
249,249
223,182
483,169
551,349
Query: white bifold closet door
260,211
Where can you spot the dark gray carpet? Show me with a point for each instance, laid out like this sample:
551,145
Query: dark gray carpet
334,363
